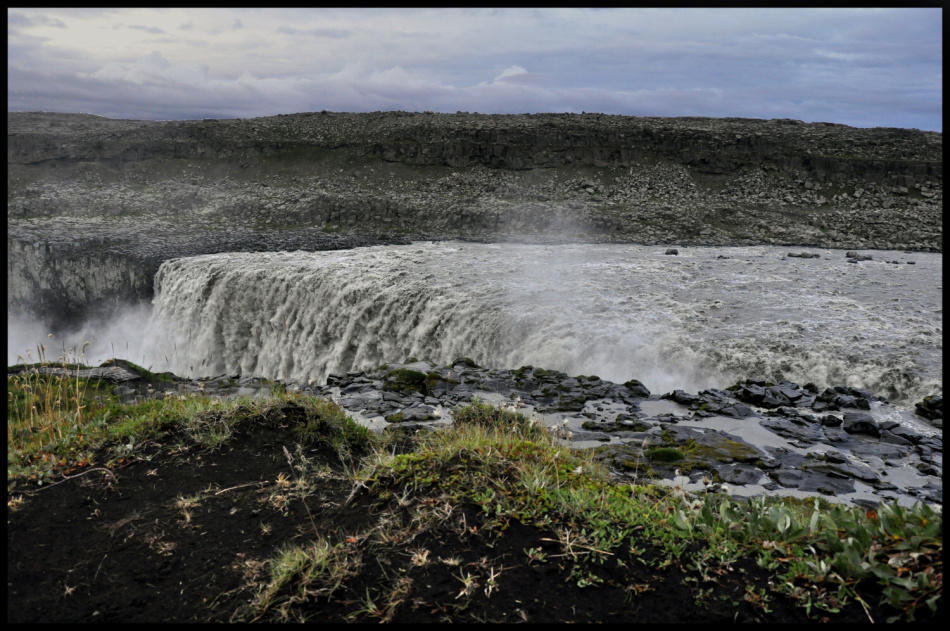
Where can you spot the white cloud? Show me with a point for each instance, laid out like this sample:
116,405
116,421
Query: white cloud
509,72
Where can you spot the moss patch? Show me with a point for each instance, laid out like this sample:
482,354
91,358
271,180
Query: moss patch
720,449
664,454
405,380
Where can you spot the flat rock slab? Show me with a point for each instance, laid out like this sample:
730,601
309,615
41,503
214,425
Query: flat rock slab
112,374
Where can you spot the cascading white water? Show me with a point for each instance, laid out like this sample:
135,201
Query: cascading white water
618,311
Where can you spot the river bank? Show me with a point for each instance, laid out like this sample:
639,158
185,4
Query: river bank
280,508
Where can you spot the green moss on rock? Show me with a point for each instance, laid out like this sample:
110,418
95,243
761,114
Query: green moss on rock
405,380
664,454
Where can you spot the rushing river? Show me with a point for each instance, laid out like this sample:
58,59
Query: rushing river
705,318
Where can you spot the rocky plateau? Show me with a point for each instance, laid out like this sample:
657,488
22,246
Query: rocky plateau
95,205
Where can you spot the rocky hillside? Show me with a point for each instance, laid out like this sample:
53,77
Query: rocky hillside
94,205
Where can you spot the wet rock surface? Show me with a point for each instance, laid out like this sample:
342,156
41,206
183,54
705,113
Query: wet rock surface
94,205
849,454
932,408
749,439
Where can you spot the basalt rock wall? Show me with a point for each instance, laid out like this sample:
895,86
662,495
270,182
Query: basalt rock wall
827,152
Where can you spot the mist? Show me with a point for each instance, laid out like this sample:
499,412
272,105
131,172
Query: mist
129,334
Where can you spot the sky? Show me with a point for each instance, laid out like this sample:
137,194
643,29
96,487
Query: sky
859,67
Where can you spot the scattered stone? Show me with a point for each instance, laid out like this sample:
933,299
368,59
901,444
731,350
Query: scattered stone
860,423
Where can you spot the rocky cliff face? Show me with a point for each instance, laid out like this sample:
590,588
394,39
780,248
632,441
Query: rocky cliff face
94,205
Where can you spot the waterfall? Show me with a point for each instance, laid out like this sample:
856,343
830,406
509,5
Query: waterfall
619,312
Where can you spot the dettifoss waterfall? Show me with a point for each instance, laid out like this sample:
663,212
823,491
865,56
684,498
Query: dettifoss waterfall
705,318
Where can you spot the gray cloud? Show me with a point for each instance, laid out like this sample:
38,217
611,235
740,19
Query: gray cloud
315,32
148,29
17,20
865,68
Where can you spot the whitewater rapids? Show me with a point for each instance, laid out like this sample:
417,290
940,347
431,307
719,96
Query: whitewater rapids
705,318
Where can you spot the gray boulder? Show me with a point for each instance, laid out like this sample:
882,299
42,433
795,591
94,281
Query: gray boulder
861,423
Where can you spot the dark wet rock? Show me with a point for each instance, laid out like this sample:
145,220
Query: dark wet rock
830,420
767,395
768,462
880,451
860,423
740,474
848,470
415,414
933,442
736,410
681,397
710,402
804,434
931,407
787,478
854,256
930,494
787,389
826,485
804,255
890,437
672,251
836,435
844,397
622,423
798,417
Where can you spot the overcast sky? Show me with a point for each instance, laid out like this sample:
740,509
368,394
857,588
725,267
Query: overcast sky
867,68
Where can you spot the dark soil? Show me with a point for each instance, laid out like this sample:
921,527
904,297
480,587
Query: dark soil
117,547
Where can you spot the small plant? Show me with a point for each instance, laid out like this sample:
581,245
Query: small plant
420,557
290,463
758,598
469,584
187,504
491,583
536,555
